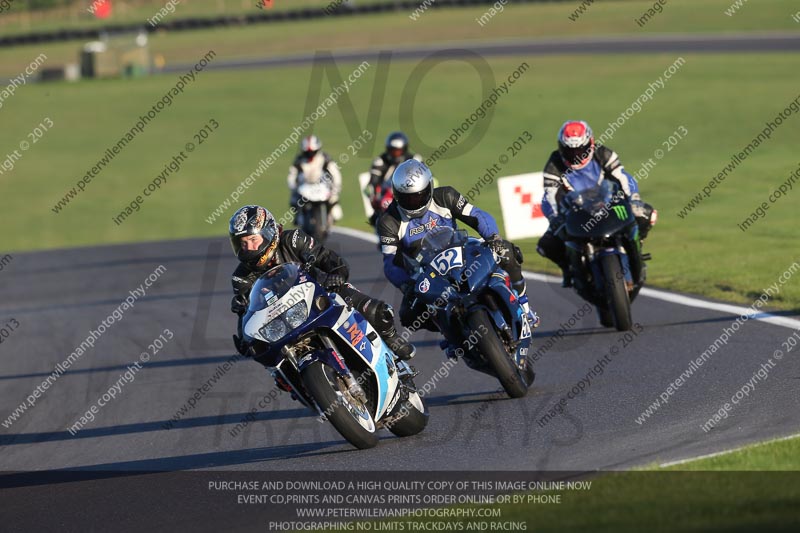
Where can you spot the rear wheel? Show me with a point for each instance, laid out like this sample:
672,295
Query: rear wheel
348,414
495,352
616,294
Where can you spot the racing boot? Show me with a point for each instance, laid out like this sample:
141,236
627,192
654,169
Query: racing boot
403,349
522,290
384,323
449,349
336,212
533,318
381,316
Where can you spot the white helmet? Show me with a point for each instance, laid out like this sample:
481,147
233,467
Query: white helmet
412,185
310,146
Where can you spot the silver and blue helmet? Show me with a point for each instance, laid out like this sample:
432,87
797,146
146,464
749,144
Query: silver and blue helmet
412,185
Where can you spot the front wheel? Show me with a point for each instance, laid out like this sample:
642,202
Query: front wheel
349,415
606,318
495,352
414,416
316,221
616,294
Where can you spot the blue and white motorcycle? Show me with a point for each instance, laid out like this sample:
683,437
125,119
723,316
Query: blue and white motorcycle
331,358
471,300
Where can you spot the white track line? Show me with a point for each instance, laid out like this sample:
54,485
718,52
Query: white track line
357,233
689,301
672,297
726,452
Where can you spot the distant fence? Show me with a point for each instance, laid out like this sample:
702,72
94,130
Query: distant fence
268,17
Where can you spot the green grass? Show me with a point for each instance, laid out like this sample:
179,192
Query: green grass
670,502
775,456
722,100
391,31
752,489
665,501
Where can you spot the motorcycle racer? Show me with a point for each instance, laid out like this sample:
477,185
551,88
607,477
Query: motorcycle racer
578,164
383,166
312,165
417,208
260,243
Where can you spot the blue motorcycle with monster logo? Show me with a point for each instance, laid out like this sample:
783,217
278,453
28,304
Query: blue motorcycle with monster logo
605,255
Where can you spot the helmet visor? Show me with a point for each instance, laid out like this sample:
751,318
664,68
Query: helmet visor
576,156
269,254
415,200
236,244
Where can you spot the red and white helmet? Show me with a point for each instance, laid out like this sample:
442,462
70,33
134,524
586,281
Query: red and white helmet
310,146
576,144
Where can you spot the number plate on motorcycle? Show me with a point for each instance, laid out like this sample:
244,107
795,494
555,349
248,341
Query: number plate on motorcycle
447,260
526,329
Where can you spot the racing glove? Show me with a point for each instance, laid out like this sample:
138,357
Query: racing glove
557,226
239,304
638,208
334,281
243,347
330,280
496,244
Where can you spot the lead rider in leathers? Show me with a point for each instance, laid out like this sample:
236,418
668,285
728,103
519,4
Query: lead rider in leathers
416,209
260,243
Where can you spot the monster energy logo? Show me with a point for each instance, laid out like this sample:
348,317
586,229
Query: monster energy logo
620,210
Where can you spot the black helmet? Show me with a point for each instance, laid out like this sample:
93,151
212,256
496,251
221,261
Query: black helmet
254,220
397,146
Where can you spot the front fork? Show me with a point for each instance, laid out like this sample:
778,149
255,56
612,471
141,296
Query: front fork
330,357
587,274
624,262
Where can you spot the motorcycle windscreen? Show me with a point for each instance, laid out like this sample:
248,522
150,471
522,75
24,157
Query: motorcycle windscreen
438,239
272,285
314,192
598,211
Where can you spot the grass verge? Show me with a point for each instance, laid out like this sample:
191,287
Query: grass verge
393,30
722,100
756,488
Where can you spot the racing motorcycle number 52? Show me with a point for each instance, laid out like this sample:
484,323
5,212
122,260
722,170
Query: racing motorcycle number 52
447,261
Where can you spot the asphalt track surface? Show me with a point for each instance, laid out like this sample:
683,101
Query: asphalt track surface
663,43
58,296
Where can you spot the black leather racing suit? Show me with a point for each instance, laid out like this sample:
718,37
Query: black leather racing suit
296,246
